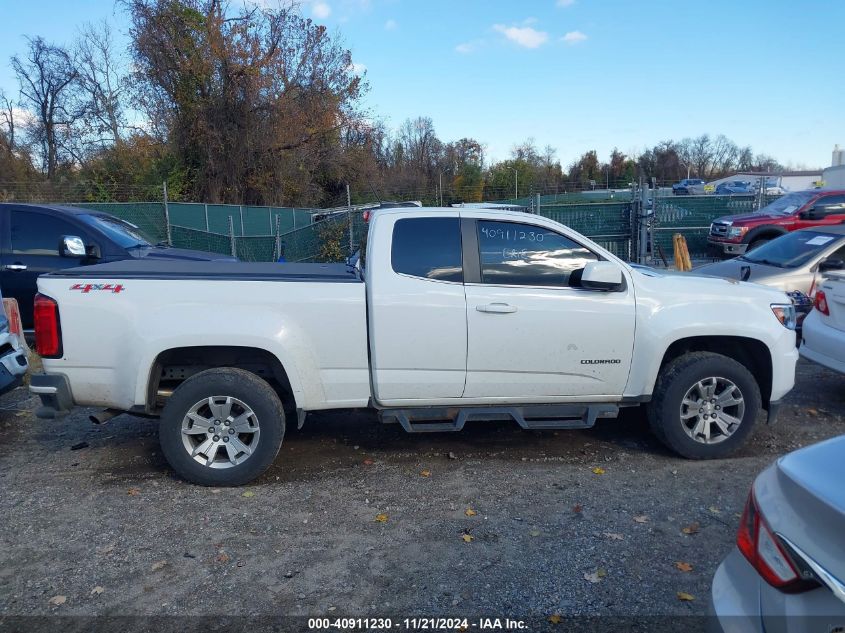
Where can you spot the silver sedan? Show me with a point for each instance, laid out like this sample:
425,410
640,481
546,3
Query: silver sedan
787,571
792,262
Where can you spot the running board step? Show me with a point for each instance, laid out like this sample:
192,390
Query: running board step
539,417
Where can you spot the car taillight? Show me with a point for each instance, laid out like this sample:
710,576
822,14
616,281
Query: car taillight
366,216
48,333
766,553
821,303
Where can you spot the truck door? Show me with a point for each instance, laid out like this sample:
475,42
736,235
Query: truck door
417,309
532,335
830,210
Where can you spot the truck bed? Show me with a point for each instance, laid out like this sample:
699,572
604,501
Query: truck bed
117,318
213,270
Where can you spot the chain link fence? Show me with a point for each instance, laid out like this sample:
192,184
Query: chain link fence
609,217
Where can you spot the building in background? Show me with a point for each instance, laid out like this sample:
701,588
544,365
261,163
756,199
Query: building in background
834,176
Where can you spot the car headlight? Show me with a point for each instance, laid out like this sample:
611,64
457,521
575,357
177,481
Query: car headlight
737,231
785,313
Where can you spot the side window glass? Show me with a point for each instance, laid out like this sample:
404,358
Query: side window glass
38,233
839,253
835,204
428,247
527,255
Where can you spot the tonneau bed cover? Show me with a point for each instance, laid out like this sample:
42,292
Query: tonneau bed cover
234,271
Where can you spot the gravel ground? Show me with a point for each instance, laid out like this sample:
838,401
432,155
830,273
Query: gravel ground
492,521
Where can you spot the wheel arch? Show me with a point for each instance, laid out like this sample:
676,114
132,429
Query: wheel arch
765,231
750,352
174,365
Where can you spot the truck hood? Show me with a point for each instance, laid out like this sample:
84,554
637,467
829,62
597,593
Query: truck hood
706,285
760,273
163,252
752,218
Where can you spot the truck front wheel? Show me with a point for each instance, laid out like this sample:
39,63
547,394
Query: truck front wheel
222,427
704,405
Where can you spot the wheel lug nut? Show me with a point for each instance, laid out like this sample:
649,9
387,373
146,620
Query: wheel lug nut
216,438
228,423
701,410
718,408
225,438
231,431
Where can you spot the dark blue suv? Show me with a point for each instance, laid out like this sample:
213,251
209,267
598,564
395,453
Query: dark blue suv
36,239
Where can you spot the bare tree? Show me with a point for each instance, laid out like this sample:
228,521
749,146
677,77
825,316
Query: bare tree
8,119
46,79
700,154
101,83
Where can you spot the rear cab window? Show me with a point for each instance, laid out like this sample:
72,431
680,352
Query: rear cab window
428,248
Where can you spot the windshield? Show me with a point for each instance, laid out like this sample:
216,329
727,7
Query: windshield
792,250
121,232
789,203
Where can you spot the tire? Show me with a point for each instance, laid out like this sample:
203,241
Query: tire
247,439
680,382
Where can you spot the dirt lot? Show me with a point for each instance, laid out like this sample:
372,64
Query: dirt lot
493,521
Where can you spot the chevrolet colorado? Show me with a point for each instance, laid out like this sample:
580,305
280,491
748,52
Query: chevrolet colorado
458,314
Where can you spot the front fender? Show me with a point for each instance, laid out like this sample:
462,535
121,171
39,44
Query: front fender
678,307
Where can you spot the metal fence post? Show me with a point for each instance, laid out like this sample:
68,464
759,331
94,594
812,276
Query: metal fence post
167,216
537,208
349,220
642,255
241,207
206,217
277,251
232,237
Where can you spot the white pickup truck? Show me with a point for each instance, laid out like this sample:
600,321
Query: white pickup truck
457,314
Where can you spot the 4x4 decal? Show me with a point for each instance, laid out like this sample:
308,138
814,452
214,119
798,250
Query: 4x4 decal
86,288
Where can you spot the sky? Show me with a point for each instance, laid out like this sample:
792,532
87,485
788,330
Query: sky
574,74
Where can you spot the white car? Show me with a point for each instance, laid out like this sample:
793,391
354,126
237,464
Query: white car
824,328
458,314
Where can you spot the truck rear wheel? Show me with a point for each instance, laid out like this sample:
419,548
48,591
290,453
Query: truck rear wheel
222,427
704,405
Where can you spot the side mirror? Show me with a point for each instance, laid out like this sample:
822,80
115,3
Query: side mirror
602,276
831,264
72,246
816,213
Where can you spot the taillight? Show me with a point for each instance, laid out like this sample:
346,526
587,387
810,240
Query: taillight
366,216
48,332
765,552
821,303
